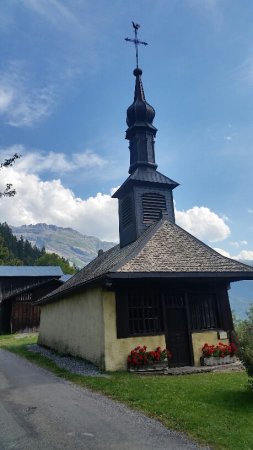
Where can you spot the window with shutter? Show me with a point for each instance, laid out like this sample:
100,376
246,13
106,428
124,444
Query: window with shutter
139,313
203,311
144,313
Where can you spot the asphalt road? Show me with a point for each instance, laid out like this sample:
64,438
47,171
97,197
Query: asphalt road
39,411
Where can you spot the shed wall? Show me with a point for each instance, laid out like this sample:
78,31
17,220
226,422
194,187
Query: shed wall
75,325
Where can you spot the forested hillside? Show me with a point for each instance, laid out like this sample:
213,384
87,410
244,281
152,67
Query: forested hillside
20,252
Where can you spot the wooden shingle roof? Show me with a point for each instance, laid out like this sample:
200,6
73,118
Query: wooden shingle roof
164,250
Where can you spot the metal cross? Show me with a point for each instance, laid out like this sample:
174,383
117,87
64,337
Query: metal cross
136,41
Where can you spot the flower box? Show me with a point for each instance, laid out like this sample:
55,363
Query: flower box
214,355
152,366
216,360
141,360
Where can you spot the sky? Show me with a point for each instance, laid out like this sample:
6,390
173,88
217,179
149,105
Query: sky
66,80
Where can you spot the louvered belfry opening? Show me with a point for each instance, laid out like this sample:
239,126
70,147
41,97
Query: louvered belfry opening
127,211
153,204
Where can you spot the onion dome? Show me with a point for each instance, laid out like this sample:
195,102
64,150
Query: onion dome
140,113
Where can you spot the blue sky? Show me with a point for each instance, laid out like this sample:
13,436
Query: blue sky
65,84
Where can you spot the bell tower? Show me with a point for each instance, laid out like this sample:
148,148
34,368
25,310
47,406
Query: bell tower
146,194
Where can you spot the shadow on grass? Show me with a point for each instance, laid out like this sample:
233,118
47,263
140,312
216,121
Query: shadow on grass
240,399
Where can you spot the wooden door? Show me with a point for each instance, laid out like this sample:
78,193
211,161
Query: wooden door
177,331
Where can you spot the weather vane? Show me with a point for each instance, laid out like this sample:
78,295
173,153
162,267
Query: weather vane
136,41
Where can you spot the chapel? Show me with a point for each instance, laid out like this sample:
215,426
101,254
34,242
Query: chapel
160,286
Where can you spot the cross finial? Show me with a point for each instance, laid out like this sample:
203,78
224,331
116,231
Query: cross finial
136,41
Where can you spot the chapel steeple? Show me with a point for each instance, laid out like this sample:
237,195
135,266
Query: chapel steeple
146,194
140,132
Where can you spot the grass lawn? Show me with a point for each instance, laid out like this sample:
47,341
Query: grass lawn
212,408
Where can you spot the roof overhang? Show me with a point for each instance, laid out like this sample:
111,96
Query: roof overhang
53,297
229,276
105,280
31,287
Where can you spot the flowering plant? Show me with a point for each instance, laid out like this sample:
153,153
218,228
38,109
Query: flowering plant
140,356
221,350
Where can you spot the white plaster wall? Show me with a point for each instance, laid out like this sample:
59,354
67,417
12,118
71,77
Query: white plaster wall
117,350
75,325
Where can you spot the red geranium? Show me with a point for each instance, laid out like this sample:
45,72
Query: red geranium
140,356
220,350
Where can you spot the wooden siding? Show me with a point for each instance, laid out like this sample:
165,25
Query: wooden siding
24,316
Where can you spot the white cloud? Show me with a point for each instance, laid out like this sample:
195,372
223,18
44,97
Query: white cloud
32,87
57,14
22,101
210,9
244,71
250,211
239,243
244,255
88,159
222,252
203,223
50,202
227,138
55,162
6,96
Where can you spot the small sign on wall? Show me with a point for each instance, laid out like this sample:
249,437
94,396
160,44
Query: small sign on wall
222,335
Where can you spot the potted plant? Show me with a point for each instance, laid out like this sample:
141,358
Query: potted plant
213,355
140,359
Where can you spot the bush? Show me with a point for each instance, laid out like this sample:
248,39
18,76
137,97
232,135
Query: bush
244,329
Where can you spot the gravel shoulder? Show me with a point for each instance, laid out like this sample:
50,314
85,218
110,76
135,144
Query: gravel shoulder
74,365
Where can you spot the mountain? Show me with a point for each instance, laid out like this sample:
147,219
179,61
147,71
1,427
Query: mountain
241,296
72,245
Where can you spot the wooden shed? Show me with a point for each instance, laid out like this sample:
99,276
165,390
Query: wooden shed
20,286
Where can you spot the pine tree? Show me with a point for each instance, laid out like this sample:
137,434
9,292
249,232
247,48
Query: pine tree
6,257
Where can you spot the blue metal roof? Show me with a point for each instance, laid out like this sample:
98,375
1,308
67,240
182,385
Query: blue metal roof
30,271
65,277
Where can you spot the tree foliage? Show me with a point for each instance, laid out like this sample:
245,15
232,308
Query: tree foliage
244,330
9,191
52,259
20,249
6,256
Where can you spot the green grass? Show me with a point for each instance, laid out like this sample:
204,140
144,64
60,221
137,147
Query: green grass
212,408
